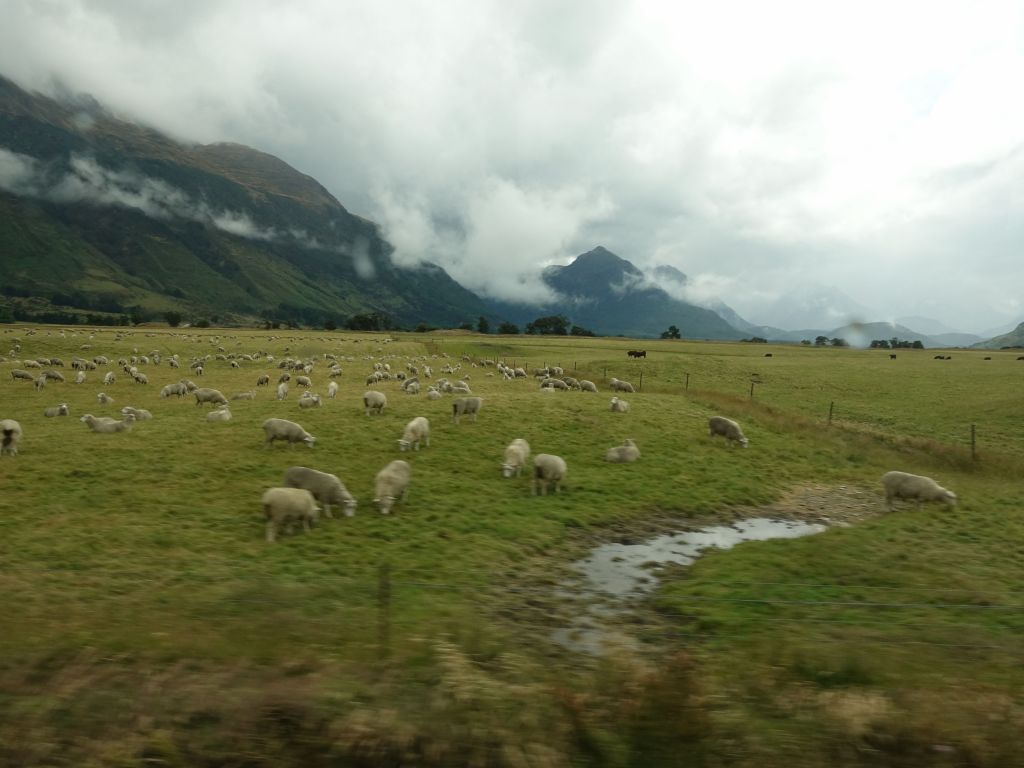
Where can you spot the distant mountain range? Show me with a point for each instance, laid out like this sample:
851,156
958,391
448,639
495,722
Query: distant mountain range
101,215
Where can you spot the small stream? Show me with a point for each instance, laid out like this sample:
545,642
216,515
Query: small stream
616,576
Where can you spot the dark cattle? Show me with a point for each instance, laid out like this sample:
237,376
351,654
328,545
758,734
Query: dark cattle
892,357
637,353
938,357
988,358
1021,357
767,354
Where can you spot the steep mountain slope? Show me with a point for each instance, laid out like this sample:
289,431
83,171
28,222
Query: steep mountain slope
99,212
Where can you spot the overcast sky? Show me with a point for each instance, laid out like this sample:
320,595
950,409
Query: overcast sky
764,149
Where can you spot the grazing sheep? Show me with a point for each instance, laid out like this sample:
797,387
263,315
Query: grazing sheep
178,389
263,380
57,410
139,414
618,385
391,484
587,386
326,489
303,381
282,390
727,428
516,454
619,406
466,406
10,435
17,373
433,394
109,379
284,377
374,401
289,431
54,376
250,395
548,469
309,401
332,389
107,425
207,395
903,485
413,388
554,384
622,454
40,383
415,431
219,414
284,506
104,399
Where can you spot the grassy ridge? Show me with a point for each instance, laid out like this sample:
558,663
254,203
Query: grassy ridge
147,546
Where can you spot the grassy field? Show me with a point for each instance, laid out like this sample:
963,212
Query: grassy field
146,620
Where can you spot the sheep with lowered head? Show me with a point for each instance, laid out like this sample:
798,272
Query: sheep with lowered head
516,454
57,410
332,389
618,385
416,431
587,386
622,454
619,406
104,399
140,414
285,506
223,413
310,401
10,436
207,395
107,425
289,431
326,488
391,485
374,401
250,395
548,470
727,428
918,488
466,406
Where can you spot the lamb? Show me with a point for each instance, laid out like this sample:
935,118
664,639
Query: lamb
466,406
516,454
622,454
289,431
219,414
415,431
548,469
618,385
10,430
140,414
391,485
285,506
250,395
619,406
326,489
309,401
374,401
207,395
587,386
332,389
57,410
727,428
107,425
903,485
104,399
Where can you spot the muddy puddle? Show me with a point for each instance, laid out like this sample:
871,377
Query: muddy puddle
614,577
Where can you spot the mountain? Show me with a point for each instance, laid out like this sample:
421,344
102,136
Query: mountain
611,296
100,213
812,306
1014,338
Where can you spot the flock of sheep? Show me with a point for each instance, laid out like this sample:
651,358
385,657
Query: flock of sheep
303,488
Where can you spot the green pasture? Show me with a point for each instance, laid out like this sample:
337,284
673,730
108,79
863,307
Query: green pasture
144,551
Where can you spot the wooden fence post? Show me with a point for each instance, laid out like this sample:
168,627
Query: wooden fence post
831,405
687,386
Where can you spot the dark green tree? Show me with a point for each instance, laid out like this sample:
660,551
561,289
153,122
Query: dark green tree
508,329
483,325
820,341
173,318
671,333
578,330
552,325
837,342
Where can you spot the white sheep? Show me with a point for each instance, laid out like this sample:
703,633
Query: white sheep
416,431
223,413
548,469
516,454
391,484
39,383
250,395
326,488
374,401
10,436
624,453
727,428
466,406
207,395
619,406
303,381
618,385
587,386
109,378
140,414
289,431
104,399
284,506
332,389
918,488
107,425
80,377
57,410
554,384
282,390
18,373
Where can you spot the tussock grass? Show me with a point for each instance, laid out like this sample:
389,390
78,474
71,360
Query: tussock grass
133,558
